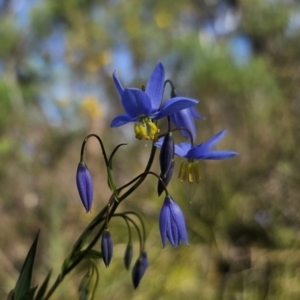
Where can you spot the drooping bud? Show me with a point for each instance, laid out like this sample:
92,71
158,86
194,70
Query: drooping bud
166,160
172,223
84,185
139,269
128,256
106,247
166,179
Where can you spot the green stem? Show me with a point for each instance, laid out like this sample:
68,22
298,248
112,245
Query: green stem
98,219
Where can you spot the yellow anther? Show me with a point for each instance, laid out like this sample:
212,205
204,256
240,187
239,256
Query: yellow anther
145,129
196,171
182,171
137,131
189,170
153,129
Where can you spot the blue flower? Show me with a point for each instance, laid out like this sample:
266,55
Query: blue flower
106,247
185,118
139,269
171,223
142,107
84,185
203,150
189,170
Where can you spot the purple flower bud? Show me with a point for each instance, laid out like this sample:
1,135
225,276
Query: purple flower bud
166,179
106,247
139,269
166,159
84,185
172,223
128,256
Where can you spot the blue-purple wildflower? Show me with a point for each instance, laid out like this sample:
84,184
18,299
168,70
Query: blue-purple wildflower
172,223
139,269
106,247
84,185
142,107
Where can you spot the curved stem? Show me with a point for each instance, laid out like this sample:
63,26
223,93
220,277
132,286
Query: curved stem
101,144
142,223
126,218
97,278
99,217
142,178
168,81
78,259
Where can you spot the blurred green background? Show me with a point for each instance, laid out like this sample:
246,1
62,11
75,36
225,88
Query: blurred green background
239,58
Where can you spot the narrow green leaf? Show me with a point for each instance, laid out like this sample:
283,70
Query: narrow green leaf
43,287
23,284
112,155
93,254
30,294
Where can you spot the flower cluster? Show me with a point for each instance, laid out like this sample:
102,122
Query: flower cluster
145,107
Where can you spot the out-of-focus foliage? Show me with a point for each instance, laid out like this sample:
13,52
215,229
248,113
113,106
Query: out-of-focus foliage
239,58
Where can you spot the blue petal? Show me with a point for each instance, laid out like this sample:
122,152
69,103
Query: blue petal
139,269
216,154
214,140
85,185
163,222
166,179
155,86
166,154
184,118
174,105
195,114
171,227
182,149
118,83
136,103
121,120
159,142
106,247
179,219
196,151
173,233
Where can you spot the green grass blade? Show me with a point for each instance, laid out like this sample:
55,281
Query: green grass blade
24,282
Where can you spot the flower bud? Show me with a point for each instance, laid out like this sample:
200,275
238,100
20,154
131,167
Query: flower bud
106,247
166,179
166,159
139,269
128,256
84,185
172,223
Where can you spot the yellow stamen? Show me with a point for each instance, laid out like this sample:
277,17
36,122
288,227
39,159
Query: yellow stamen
196,171
190,171
137,131
145,129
